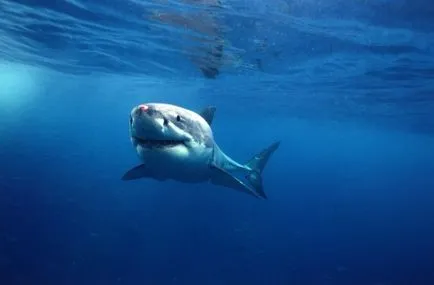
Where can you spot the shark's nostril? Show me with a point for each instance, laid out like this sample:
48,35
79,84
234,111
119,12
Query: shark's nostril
166,122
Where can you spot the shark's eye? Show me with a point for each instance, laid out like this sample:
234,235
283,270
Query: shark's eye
166,122
178,118
131,120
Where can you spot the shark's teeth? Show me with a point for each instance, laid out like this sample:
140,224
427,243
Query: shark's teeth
158,143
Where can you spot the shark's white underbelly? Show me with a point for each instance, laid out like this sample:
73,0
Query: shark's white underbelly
184,166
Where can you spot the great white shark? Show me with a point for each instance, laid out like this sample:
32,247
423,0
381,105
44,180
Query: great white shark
178,144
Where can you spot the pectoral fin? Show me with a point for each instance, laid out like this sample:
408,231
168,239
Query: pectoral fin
223,178
137,172
141,171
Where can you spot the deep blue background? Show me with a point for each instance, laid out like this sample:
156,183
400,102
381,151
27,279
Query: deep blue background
349,203
347,88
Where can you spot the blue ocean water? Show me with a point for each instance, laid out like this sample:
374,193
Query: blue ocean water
346,86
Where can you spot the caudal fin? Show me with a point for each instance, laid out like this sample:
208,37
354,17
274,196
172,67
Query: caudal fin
257,165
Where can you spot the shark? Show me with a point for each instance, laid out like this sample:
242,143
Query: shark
176,143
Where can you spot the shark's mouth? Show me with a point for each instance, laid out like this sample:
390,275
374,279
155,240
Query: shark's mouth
158,143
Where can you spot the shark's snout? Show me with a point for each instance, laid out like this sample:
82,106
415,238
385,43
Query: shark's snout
145,123
149,116
143,108
152,126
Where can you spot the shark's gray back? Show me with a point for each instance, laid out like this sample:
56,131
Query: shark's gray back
223,161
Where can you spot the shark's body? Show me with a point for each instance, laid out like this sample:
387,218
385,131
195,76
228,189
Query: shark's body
178,144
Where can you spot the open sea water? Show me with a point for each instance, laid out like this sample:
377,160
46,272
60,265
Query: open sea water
346,86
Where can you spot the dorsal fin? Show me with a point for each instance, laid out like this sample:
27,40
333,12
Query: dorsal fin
208,114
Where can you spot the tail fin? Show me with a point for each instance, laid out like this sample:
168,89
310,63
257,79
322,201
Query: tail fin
257,165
